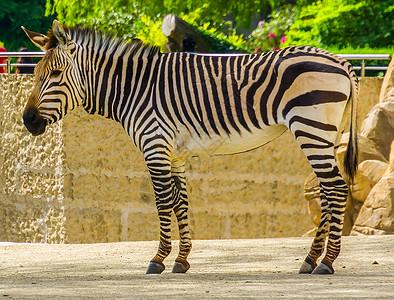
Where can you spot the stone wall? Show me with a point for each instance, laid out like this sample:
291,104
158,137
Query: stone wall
83,181
31,171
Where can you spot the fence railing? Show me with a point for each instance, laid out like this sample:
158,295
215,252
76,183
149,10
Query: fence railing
9,55
362,57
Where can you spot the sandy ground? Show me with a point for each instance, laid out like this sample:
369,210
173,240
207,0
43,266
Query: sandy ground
264,268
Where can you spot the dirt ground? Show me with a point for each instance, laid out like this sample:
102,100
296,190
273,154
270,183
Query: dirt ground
264,268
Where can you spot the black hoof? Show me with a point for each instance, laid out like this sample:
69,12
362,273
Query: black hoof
180,267
323,269
306,268
155,268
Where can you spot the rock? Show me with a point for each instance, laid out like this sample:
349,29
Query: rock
379,127
366,151
387,89
368,174
390,170
377,214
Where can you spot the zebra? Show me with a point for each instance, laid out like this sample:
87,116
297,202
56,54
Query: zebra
177,105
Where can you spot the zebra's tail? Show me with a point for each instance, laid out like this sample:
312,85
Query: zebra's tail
350,161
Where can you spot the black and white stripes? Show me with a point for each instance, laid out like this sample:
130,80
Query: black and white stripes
176,105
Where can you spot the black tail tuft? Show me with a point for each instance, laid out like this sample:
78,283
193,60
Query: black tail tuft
351,157
351,161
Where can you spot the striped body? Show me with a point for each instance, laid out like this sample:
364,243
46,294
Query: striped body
178,105
219,105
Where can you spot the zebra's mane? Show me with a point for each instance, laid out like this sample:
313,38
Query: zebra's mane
84,36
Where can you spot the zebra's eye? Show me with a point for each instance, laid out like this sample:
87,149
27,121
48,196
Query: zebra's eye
56,73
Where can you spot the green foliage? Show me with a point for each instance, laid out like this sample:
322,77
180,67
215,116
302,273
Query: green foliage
70,10
125,25
150,32
16,13
340,23
360,50
271,34
132,22
221,35
119,23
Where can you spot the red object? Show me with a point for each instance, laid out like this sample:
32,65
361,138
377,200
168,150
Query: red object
2,60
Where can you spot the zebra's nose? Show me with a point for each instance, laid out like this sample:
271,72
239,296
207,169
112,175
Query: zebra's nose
33,121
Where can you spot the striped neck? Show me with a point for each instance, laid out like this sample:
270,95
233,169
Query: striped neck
115,73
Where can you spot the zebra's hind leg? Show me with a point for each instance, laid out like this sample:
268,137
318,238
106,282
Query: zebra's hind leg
317,141
319,241
337,195
160,170
333,194
181,211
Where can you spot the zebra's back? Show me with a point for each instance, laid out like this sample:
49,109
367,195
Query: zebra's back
231,104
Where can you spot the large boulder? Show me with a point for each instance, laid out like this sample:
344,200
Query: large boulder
377,214
379,126
367,150
368,174
387,89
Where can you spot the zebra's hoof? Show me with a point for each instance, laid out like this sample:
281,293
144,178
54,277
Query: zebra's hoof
306,268
155,268
180,267
323,269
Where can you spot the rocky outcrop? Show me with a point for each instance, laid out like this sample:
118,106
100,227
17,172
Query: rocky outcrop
377,214
370,205
387,90
369,173
379,126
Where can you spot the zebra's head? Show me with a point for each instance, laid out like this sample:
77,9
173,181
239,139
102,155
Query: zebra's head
58,82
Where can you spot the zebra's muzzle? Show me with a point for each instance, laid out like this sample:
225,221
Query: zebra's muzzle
34,122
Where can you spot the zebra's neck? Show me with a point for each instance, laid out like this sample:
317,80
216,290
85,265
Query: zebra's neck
117,77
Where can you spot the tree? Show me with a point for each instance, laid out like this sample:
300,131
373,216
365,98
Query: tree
16,13
342,23
73,11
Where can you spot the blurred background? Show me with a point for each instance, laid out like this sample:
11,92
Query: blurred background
340,26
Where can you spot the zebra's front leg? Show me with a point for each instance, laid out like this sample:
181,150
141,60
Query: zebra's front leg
160,170
181,211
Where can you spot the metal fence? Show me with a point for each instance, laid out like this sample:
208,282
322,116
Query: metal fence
9,55
362,57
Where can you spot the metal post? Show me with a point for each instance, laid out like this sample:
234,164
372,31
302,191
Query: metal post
8,65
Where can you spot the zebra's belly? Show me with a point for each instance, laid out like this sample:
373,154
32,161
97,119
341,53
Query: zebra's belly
187,144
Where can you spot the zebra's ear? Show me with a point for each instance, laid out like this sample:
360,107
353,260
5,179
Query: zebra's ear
38,39
60,34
